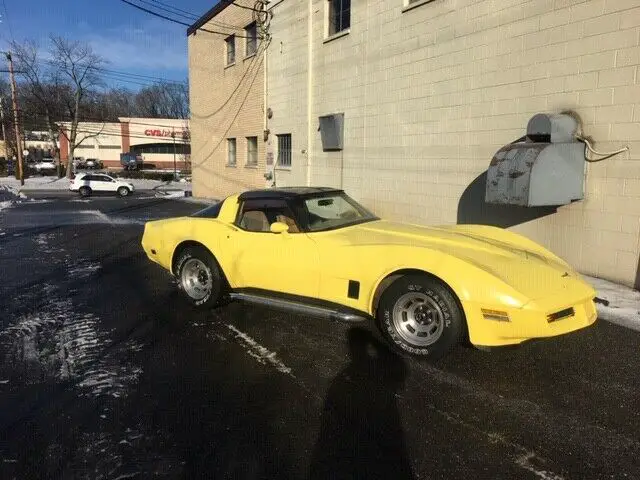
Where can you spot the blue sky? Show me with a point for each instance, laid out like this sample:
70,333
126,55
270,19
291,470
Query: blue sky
129,39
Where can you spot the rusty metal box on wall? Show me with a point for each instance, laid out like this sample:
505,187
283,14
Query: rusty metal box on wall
544,168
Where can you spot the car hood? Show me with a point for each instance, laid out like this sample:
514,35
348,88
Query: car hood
533,274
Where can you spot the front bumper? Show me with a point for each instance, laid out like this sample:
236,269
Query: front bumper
531,321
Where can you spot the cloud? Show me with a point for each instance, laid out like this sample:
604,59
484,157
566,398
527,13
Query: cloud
155,45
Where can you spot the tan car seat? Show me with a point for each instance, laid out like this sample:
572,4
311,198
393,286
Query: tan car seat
255,221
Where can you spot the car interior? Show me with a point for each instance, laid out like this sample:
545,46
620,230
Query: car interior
260,220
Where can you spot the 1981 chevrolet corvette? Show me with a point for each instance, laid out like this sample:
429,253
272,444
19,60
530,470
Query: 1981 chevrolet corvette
318,252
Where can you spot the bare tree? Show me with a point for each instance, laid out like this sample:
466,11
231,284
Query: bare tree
76,66
6,119
40,94
163,100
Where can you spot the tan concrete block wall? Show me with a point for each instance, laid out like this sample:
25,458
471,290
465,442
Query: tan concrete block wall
287,88
226,102
431,93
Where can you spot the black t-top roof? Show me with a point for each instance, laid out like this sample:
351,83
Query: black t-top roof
286,192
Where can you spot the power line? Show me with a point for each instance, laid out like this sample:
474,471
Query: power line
244,7
134,81
86,119
158,5
244,75
159,15
177,9
112,132
6,11
122,73
195,16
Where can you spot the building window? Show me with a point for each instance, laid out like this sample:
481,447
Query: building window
339,15
284,150
231,49
252,150
231,151
251,32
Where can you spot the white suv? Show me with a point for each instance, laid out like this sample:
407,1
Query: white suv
88,183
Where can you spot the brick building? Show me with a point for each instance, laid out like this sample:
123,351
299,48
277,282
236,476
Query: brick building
152,138
430,90
226,84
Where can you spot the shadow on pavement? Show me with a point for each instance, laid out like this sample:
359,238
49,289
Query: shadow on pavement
361,435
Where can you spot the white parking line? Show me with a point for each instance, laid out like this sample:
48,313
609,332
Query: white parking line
260,353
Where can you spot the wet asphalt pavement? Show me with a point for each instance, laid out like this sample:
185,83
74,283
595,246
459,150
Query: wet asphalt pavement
106,373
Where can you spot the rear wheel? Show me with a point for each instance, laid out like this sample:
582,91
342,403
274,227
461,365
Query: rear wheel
84,191
199,277
419,315
123,191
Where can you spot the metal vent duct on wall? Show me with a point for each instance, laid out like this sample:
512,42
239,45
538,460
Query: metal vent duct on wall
332,131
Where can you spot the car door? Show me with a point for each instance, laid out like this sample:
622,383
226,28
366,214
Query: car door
102,183
281,262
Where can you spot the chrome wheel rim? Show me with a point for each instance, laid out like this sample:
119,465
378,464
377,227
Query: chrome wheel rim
418,319
123,192
196,279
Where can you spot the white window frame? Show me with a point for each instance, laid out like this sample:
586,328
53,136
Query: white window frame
247,33
230,41
252,162
329,8
232,162
411,4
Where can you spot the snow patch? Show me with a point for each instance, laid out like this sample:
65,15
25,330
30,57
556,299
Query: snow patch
60,343
261,354
171,194
83,269
54,183
6,204
524,461
43,242
525,458
624,303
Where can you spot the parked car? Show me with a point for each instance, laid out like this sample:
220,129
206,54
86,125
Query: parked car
87,184
316,251
131,161
47,165
93,163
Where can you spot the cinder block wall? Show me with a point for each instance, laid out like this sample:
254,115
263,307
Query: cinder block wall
226,102
430,93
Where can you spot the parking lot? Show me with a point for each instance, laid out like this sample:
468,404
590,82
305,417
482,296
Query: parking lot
106,373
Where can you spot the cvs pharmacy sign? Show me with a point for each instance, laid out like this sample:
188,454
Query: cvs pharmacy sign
157,133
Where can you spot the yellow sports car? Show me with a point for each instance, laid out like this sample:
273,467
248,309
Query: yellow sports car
318,252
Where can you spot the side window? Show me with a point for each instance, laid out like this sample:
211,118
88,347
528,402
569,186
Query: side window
339,16
230,43
258,215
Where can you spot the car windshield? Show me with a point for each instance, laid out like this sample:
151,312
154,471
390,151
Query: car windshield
333,211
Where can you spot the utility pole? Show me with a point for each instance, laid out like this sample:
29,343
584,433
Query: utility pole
14,101
4,133
173,134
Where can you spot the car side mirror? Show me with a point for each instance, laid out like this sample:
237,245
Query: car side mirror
279,227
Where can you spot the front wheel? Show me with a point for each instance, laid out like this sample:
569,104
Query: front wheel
199,277
84,191
123,191
419,315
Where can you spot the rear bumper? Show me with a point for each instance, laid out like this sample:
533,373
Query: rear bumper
530,322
